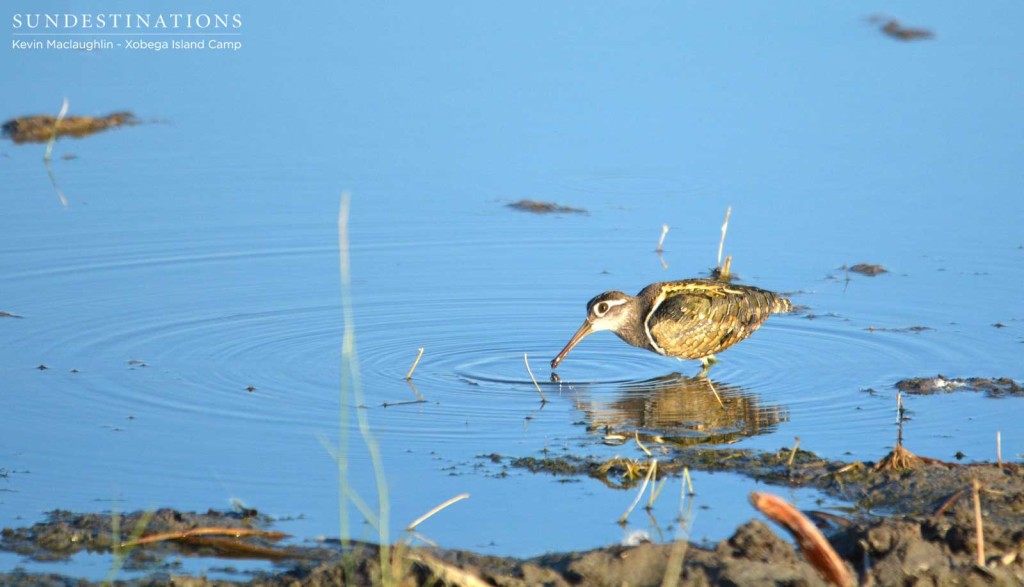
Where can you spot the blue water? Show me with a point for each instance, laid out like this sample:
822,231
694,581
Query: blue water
204,243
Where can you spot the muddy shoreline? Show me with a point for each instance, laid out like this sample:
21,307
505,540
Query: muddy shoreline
913,526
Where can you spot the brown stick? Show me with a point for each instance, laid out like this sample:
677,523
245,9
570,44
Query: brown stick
941,510
812,542
208,531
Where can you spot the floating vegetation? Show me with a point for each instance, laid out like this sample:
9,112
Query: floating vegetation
999,387
537,207
45,127
867,269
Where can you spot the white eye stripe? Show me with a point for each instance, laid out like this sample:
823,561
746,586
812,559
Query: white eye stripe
606,305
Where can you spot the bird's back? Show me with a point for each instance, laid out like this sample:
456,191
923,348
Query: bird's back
695,318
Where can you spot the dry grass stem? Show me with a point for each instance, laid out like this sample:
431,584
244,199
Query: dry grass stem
351,382
815,547
661,240
636,436
640,494
792,453
448,574
543,399
416,392
408,375
418,536
438,508
56,125
49,151
978,529
689,482
721,243
655,492
723,273
999,449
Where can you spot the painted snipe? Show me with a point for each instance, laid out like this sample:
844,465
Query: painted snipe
688,319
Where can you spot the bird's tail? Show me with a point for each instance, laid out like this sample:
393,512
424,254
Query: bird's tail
781,305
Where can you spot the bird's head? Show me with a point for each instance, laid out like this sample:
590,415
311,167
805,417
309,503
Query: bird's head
611,310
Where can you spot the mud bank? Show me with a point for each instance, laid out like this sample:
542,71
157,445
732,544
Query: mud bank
915,526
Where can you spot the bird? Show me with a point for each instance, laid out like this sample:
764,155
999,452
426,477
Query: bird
686,319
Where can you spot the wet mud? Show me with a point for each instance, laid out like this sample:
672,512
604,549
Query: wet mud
915,526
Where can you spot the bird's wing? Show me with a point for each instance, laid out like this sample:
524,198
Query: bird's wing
694,319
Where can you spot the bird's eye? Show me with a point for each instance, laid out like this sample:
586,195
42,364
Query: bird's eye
601,308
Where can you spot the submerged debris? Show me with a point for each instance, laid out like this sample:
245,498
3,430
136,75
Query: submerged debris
42,128
867,269
999,387
904,329
544,207
894,29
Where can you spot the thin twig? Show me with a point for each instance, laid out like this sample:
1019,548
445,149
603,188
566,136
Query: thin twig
721,243
723,272
636,436
403,403
655,492
447,503
543,399
946,504
412,386
661,241
978,530
408,375
999,449
689,482
793,453
643,488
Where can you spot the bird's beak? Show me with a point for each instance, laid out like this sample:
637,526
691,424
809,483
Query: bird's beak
584,330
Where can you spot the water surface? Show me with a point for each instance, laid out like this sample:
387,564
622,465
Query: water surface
198,256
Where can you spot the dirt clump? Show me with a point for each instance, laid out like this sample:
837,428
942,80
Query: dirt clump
997,387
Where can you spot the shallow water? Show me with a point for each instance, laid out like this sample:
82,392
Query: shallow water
199,257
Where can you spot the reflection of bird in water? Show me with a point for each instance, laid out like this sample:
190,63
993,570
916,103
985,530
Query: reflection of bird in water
688,319
685,411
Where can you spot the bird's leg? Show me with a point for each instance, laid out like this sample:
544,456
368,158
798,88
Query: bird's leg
713,390
705,364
